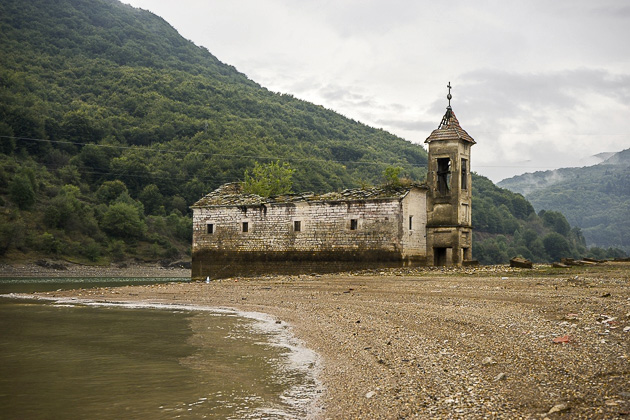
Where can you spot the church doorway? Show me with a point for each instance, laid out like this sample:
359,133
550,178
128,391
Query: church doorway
441,256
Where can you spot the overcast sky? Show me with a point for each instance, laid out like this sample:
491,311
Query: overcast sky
538,84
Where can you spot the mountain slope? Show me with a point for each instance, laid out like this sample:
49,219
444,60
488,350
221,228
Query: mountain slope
109,118
103,72
112,124
595,198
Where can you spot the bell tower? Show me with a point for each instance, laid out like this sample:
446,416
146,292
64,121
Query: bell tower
449,199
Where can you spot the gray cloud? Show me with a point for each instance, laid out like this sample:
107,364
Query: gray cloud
410,125
531,79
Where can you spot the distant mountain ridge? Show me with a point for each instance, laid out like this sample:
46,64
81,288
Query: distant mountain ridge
595,198
620,159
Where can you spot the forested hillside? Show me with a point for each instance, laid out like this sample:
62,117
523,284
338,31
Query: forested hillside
595,198
112,125
107,113
507,226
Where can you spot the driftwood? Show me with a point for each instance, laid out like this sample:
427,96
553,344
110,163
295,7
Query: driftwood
559,265
570,262
519,262
585,261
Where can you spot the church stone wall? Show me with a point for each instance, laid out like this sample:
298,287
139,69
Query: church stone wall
348,231
414,229
322,226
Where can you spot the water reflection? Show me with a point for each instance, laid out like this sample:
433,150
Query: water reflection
69,361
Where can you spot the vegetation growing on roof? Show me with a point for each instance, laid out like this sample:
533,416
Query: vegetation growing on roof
269,180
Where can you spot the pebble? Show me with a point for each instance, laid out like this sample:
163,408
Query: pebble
501,376
558,408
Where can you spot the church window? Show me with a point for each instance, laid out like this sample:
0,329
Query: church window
297,226
354,224
444,175
210,228
245,227
410,222
464,174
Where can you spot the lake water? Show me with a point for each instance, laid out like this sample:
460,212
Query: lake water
75,360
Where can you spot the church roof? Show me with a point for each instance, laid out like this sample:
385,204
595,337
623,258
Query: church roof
232,195
449,129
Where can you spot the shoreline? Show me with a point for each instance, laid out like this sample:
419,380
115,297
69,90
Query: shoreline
467,343
55,270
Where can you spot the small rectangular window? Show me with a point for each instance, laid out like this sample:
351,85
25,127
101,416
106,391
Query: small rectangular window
297,226
464,174
354,224
210,228
410,222
245,227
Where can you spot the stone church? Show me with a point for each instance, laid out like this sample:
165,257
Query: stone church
419,224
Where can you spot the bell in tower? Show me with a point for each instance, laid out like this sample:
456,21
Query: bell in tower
449,199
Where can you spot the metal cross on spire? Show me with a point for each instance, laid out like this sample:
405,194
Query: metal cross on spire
449,96
449,111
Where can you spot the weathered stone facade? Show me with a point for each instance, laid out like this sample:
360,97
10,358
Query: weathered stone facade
449,201
236,234
233,232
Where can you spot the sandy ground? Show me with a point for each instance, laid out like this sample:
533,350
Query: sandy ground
459,343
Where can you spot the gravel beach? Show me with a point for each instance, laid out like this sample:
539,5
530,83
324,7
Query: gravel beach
485,342
46,268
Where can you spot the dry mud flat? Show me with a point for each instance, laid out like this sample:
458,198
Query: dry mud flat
490,342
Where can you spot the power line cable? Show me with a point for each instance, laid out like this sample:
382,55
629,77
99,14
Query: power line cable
262,157
152,149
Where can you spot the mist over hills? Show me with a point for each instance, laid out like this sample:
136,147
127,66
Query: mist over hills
595,198
112,125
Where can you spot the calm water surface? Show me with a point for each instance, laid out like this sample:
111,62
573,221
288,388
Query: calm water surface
73,360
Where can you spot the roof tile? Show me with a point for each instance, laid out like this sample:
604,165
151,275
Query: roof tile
232,195
449,129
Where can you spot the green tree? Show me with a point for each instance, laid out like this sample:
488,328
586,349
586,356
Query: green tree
7,142
269,180
7,233
22,192
152,199
110,191
65,210
117,250
179,203
122,220
556,246
91,249
93,162
391,174
556,221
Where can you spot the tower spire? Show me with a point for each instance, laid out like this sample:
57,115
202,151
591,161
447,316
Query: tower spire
449,96
449,111
449,126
